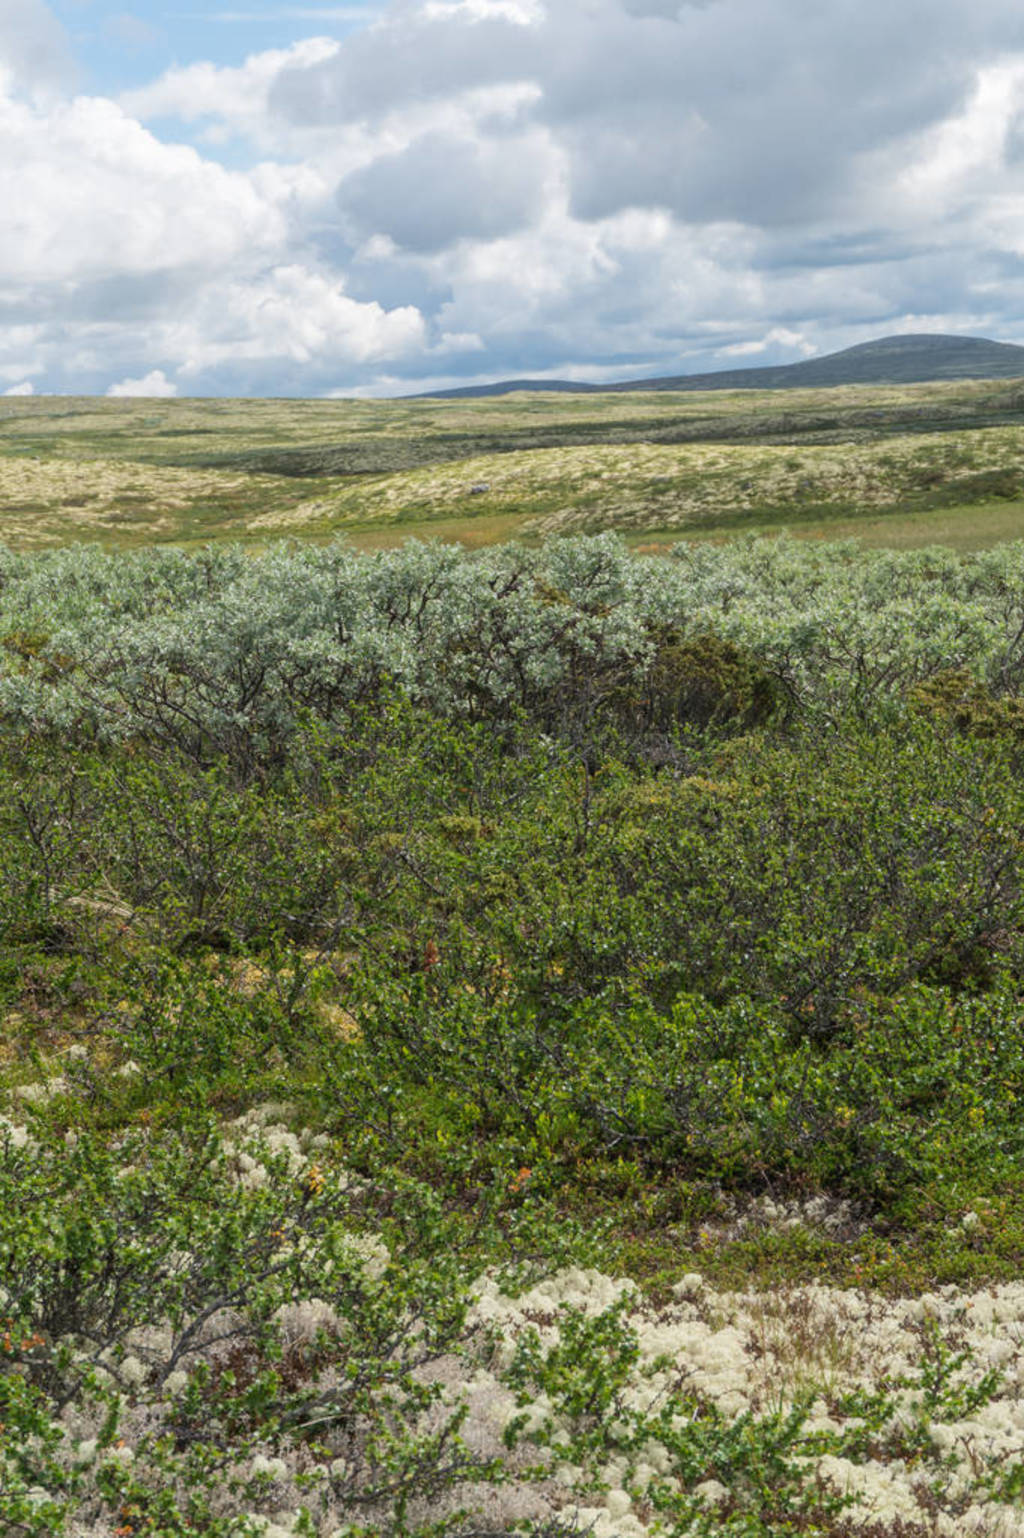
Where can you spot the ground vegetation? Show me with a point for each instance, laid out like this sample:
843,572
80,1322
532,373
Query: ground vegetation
524,1041
896,465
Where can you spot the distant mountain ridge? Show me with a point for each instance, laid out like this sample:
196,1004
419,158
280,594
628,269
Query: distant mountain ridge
914,358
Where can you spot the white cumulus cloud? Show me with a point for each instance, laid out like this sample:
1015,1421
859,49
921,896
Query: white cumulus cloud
155,383
588,188
235,98
778,336
89,193
298,317
35,54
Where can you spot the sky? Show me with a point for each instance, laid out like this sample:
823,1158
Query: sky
379,197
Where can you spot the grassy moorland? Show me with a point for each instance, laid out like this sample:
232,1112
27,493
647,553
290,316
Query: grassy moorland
529,1041
901,465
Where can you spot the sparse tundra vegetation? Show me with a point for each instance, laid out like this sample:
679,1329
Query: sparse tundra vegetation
517,1039
898,465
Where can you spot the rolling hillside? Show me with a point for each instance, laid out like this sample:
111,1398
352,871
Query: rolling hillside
912,359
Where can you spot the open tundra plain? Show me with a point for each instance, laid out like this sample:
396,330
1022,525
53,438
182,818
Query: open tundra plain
525,1039
899,465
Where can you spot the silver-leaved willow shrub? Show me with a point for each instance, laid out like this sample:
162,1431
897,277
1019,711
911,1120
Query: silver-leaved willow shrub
222,652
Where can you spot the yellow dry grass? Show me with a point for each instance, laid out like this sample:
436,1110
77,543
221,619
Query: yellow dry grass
130,472
641,485
48,501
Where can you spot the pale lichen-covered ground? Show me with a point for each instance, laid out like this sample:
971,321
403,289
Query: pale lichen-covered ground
46,502
564,490
930,1463
753,1352
128,472
639,486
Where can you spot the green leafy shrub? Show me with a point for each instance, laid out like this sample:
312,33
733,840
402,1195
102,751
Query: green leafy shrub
160,1275
704,680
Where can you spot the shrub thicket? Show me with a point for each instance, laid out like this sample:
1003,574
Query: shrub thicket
519,879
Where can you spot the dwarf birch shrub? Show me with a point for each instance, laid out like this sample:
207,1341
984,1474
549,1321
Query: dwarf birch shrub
208,862
909,1089
155,1361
